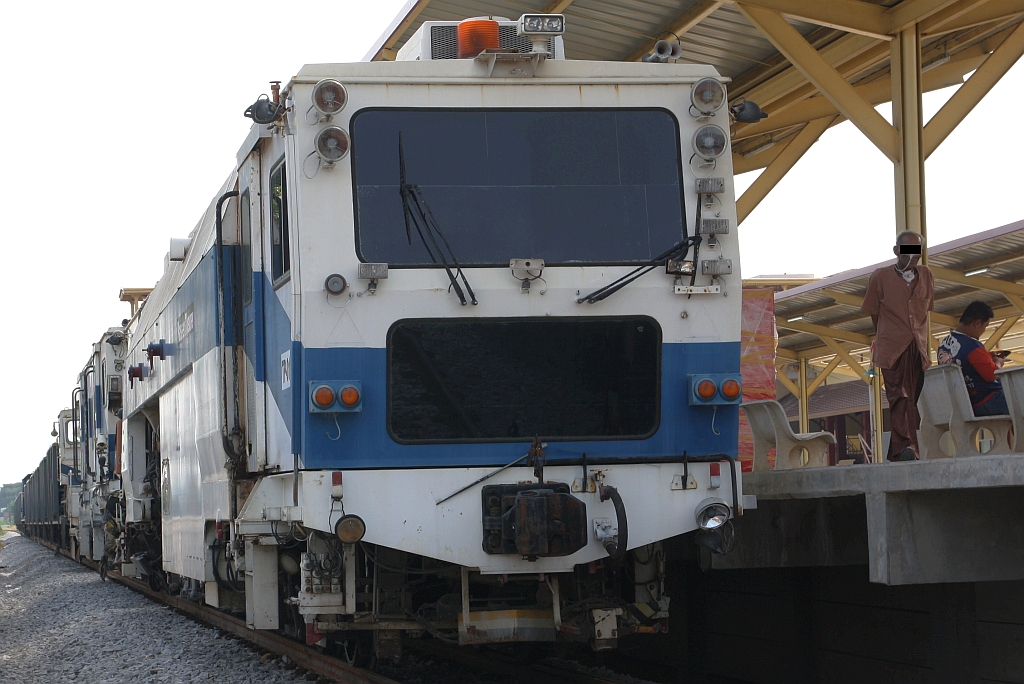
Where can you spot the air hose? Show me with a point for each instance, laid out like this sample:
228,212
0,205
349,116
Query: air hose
617,548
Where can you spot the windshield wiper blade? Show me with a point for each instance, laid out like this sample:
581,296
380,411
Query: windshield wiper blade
676,251
418,215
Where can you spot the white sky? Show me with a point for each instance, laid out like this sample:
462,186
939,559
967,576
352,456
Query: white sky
124,119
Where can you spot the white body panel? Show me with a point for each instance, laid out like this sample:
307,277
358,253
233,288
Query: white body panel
401,511
194,458
323,207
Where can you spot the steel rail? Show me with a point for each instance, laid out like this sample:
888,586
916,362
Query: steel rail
304,656
545,672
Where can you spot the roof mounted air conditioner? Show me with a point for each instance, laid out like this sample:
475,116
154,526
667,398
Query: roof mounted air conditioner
439,40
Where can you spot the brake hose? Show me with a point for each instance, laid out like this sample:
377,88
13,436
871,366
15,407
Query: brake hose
616,549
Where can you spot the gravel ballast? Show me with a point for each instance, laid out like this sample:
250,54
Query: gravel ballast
60,623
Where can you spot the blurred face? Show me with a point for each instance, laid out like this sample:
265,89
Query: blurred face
906,261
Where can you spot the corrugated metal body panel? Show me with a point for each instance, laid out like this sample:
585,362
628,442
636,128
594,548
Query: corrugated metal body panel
184,548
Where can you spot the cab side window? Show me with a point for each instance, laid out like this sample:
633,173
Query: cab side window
280,254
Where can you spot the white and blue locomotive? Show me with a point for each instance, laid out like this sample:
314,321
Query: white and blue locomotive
453,350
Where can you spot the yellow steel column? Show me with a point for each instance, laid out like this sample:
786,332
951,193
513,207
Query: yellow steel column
905,53
876,401
805,423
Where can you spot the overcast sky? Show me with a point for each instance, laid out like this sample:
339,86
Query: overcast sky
124,119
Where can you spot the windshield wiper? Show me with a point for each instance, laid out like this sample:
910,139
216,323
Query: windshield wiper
676,251
418,214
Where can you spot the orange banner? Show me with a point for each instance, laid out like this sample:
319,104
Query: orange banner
758,341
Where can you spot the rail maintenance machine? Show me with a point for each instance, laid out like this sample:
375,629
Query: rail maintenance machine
453,351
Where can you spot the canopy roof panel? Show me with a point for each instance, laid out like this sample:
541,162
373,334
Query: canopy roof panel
831,306
851,36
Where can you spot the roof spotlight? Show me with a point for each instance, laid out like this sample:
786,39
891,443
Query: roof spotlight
350,529
541,24
329,97
707,95
332,144
711,514
264,111
710,141
747,112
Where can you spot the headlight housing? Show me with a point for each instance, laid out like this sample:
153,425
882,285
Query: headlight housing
712,513
710,141
332,144
329,97
350,529
541,24
707,96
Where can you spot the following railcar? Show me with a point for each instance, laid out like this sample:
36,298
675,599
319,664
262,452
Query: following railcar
452,351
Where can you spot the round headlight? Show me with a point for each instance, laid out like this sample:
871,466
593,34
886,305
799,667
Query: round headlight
710,141
329,97
350,529
707,95
332,144
712,514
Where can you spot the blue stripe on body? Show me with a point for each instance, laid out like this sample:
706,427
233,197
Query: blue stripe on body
365,442
254,314
185,344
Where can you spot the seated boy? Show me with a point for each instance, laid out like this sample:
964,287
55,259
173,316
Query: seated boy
979,365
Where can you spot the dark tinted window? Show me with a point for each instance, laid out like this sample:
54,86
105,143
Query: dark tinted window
244,239
511,380
280,257
583,185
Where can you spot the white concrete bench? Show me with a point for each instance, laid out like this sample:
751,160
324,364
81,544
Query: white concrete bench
946,406
770,429
1012,380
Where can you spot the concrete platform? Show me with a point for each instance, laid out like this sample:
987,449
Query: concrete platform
944,520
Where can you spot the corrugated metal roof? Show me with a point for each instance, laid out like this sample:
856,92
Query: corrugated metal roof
834,400
614,30
610,30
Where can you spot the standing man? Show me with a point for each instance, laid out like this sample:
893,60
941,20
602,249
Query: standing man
898,299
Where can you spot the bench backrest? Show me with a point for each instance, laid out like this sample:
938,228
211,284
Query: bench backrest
766,417
945,392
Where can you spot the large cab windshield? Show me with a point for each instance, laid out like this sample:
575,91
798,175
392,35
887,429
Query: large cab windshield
570,186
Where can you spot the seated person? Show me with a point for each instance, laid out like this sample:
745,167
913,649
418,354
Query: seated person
979,365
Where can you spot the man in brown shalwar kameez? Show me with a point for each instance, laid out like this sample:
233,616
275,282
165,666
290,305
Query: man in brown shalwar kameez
898,299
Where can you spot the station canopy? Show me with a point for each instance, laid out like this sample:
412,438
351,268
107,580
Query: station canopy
820,323
810,64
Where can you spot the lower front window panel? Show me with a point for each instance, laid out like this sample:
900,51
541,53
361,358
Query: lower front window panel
459,380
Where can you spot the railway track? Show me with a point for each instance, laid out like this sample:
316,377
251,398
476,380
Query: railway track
300,654
490,661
